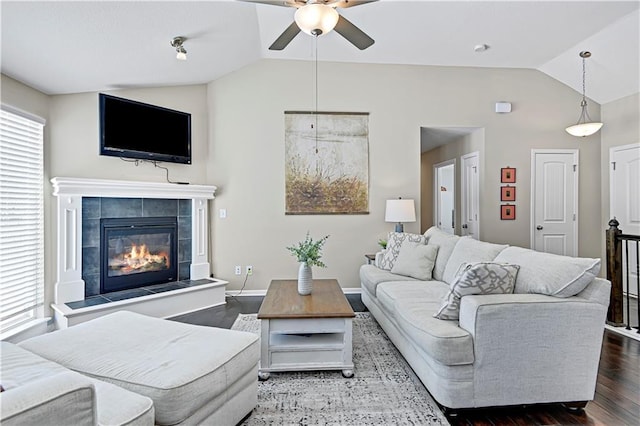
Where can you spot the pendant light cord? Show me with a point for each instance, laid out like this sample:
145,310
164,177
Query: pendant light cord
584,74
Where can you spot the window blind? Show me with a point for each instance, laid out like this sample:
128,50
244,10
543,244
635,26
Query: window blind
21,219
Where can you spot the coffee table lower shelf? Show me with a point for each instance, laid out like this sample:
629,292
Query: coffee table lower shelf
305,344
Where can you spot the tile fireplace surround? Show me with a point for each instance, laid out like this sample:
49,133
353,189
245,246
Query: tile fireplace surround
70,286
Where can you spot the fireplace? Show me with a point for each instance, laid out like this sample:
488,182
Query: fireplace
137,252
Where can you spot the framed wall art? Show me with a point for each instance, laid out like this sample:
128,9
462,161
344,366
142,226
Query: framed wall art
508,175
507,193
326,162
507,212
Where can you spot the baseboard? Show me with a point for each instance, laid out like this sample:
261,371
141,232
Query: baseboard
263,292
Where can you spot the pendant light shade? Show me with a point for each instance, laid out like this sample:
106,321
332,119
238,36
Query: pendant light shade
316,19
585,126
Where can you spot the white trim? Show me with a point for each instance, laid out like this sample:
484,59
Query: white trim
24,114
576,204
236,293
31,329
66,186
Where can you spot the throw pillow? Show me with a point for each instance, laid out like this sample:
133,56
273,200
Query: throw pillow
446,243
415,260
394,243
469,250
477,278
551,274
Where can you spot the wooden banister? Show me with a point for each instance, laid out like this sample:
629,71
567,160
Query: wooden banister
615,315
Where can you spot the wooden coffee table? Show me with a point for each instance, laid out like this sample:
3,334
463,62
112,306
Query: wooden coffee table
302,333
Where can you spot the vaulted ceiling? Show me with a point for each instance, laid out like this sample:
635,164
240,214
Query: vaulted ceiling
68,47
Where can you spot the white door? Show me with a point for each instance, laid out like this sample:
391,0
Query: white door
624,178
470,200
444,195
554,201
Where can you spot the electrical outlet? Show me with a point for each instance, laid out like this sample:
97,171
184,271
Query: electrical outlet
249,270
238,270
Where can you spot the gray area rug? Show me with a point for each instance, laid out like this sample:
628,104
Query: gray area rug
384,390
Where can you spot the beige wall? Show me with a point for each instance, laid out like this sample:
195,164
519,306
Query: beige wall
239,146
621,120
247,154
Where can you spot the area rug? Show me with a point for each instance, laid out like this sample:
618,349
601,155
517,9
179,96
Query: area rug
383,391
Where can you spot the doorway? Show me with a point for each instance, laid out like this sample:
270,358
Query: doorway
624,203
470,195
554,201
445,195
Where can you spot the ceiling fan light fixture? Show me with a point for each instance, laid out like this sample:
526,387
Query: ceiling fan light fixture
316,19
585,126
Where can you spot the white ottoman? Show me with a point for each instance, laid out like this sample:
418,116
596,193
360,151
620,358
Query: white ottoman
193,374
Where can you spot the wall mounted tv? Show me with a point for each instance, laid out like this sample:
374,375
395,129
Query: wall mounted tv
131,129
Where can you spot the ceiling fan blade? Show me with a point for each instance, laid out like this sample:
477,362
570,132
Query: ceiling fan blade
284,3
353,34
349,3
285,38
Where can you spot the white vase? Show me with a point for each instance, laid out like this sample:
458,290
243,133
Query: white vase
305,279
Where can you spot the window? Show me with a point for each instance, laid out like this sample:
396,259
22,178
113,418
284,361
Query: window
21,219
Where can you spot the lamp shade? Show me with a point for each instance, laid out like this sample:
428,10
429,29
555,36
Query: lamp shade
316,19
400,211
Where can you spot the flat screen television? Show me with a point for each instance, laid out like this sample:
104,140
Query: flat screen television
131,129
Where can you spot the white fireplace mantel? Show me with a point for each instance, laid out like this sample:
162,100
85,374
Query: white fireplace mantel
64,186
69,192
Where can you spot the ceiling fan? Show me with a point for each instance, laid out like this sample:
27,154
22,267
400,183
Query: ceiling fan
316,17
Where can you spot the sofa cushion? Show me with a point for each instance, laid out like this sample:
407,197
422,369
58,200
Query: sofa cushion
415,260
371,277
446,243
469,250
477,278
394,244
551,274
428,291
442,340
181,367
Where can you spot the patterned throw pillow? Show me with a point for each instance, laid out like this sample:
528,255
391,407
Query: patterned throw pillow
477,278
394,244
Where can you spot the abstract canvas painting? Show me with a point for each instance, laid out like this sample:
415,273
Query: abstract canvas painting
326,162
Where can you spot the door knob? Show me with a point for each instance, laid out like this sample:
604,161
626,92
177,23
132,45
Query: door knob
465,226
539,227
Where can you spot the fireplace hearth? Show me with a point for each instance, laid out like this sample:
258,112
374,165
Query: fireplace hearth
137,252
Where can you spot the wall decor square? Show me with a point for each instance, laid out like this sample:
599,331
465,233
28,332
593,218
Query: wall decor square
507,212
507,193
508,175
326,162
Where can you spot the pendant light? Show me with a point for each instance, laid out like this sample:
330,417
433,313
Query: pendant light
585,126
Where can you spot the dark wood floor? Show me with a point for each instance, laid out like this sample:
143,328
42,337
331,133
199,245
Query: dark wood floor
616,403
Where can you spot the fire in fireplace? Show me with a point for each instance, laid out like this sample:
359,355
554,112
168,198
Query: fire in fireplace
136,252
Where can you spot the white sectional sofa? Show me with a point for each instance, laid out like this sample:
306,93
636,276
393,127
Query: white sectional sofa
129,369
538,341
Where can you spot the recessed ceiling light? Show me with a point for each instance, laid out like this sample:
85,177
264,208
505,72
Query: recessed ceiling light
480,47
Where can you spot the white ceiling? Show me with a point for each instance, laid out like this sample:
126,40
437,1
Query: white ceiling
68,47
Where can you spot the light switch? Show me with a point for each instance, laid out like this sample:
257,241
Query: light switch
222,213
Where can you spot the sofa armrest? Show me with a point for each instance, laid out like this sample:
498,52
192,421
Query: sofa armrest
527,341
63,398
379,255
